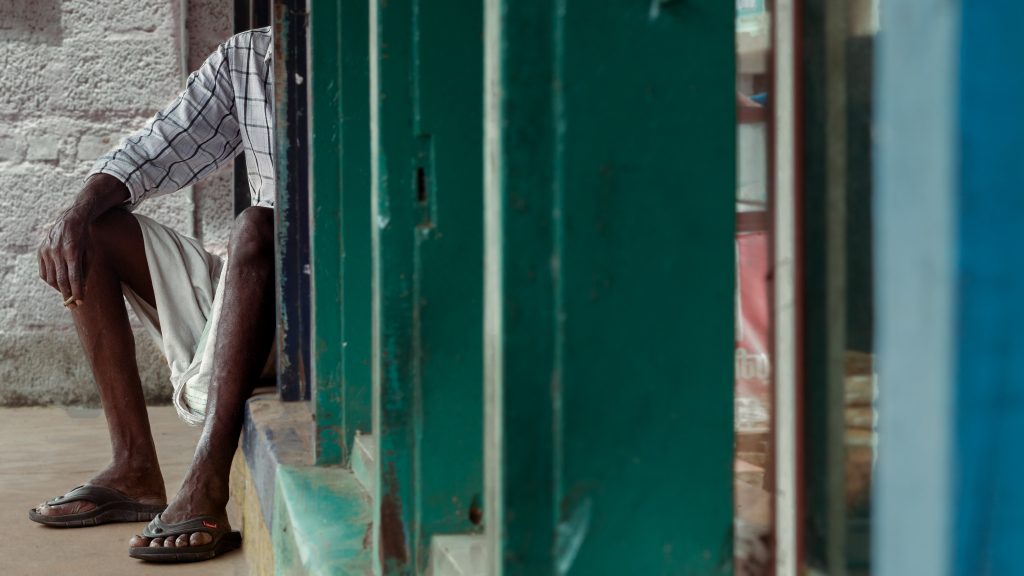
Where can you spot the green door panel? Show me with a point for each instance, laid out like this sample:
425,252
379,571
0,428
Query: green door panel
428,236
610,206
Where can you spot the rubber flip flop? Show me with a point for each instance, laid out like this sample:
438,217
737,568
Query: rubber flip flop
111,506
224,540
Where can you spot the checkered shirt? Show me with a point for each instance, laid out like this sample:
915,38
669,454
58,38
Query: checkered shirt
226,106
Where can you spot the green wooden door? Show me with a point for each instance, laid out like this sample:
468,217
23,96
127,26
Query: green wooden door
610,272
340,223
427,62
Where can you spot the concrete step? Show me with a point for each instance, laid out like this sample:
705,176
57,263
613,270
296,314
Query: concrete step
321,519
275,434
458,555
298,518
364,461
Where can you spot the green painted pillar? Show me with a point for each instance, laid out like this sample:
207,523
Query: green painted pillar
340,223
520,340
449,267
609,204
356,223
427,117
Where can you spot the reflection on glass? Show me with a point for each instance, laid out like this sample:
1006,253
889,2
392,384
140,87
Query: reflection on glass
839,389
860,383
753,371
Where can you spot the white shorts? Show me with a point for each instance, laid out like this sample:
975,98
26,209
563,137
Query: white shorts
188,286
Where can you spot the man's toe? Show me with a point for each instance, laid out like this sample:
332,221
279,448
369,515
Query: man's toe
181,541
156,543
138,542
200,539
169,542
65,509
47,510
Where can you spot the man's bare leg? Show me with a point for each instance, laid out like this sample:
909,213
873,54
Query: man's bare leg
244,338
117,255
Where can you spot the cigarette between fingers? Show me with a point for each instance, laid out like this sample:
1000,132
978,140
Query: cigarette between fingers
69,300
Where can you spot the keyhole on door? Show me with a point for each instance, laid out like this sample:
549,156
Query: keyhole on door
421,185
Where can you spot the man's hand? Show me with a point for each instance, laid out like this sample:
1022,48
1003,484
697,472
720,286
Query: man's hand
63,252
62,256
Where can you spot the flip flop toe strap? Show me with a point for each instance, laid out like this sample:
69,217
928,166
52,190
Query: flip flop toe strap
97,495
211,525
64,498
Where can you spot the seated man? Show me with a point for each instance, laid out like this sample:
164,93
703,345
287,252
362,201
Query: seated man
214,321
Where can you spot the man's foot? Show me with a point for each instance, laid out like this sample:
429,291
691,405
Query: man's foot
196,498
222,540
144,484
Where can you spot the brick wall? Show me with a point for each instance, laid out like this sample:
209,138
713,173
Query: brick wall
75,77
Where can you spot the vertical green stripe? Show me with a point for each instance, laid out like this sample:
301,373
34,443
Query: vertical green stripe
394,386
354,112
611,218
428,249
448,237
325,231
340,224
523,375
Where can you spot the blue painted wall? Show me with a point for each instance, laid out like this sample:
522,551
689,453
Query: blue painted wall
989,462
950,183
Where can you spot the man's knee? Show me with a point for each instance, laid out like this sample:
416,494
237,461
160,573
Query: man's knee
113,230
252,237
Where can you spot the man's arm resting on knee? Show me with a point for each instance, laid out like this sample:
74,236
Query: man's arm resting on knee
147,163
62,253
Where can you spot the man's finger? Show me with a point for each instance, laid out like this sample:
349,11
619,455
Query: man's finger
50,270
75,273
61,267
74,282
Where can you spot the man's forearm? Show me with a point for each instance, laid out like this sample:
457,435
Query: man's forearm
100,194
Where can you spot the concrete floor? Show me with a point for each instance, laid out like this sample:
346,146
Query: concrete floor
46,451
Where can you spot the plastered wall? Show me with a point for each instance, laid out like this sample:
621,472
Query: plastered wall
75,77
